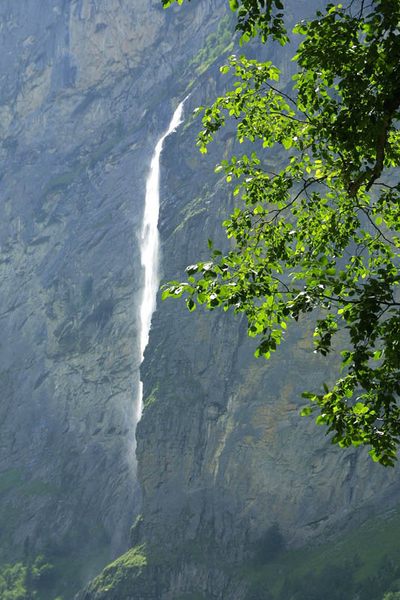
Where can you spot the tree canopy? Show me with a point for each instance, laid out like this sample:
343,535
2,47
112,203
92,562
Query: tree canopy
320,232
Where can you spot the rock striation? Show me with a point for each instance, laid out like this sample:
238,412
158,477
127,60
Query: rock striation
86,86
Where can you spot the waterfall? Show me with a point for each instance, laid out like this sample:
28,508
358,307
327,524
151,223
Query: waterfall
149,245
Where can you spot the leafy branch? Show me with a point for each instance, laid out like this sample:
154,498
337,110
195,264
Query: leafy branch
320,233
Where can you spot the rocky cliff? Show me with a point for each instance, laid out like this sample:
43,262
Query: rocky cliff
230,474
86,87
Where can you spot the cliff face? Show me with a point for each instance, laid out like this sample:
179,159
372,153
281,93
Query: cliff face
227,469
85,90
230,474
224,458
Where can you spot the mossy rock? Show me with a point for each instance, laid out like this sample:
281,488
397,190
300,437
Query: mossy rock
118,578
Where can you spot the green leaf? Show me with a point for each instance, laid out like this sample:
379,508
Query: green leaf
360,409
191,304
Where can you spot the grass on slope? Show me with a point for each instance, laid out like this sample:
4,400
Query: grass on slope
369,556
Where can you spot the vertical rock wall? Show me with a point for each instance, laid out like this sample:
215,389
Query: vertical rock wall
86,87
224,458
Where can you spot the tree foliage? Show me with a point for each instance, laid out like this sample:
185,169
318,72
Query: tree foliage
21,581
321,231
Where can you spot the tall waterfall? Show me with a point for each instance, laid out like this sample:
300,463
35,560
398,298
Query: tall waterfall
149,245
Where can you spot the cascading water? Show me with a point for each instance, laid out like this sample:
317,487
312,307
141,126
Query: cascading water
149,245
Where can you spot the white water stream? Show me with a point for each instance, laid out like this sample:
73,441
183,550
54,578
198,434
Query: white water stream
149,246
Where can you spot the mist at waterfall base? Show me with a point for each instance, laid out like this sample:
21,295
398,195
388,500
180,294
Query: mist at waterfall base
149,246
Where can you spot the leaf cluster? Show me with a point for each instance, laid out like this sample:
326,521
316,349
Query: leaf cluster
21,581
320,233
255,17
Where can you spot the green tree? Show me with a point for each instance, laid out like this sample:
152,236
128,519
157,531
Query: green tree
321,231
12,582
21,581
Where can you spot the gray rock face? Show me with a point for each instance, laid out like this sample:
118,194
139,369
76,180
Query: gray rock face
86,87
223,454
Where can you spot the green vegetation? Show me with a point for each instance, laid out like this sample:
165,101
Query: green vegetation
151,397
263,17
217,44
25,581
193,208
119,574
12,582
55,574
319,232
362,564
